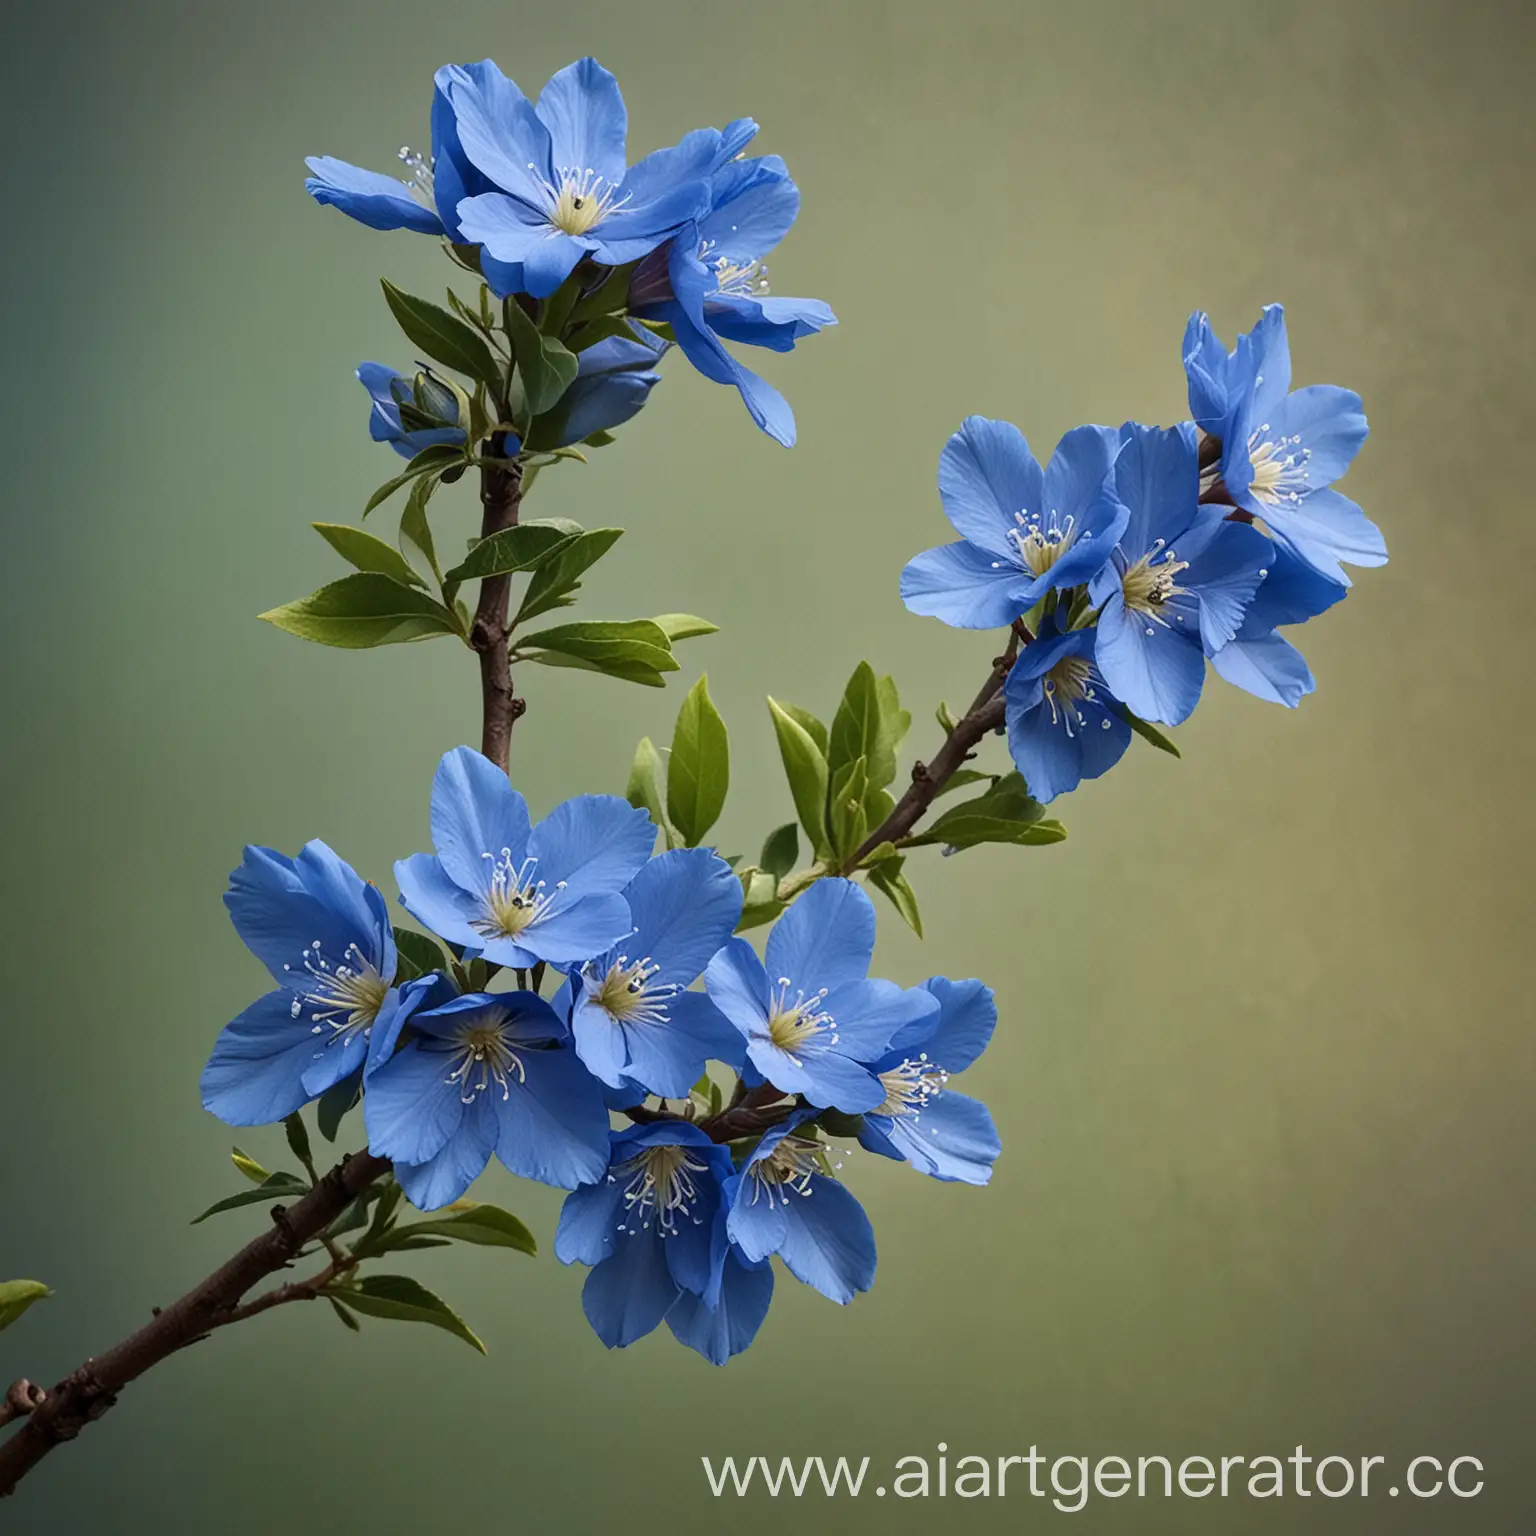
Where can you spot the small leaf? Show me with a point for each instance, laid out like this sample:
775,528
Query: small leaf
886,876
1007,813
699,769
805,766
869,723
415,530
1150,733
360,548
443,336
559,577
523,548
298,1139
16,1296
279,1187
647,774
423,953
344,1315
249,1166
634,650
684,626
962,778
433,461
760,902
466,1222
334,1103
846,819
809,724
545,367
945,719
403,1300
363,610
781,850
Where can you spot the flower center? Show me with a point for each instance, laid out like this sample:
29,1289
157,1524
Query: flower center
578,200
1151,581
627,994
514,900
734,279
1069,681
793,1025
346,996
661,1188
787,1170
483,1057
1279,468
909,1087
1041,545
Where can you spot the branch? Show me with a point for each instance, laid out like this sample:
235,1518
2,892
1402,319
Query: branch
501,495
929,779
88,1392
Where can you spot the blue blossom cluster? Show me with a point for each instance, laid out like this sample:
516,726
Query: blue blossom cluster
679,1212
1137,555
530,193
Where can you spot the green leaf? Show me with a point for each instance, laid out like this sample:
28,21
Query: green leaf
886,876
466,1222
360,548
16,1296
945,719
554,582
363,610
869,723
846,818
523,548
443,336
279,1187
805,766
699,769
781,850
298,1139
760,903
344,1315
634,650
423,953
1149,732
433,461
963,778
809,724
602,329
403,1300
1007,813
545,367
415,530
647,774
684,626
248,1166
334,1103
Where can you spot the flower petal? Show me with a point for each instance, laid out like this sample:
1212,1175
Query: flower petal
255,1075
828,1242
476,814
584,111
380,202
553,1124
987,474
967,587
827,936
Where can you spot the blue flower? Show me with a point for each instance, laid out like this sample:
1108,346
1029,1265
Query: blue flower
923,1121
1282,450
815,1028
613,381
1260,659
390,391
1179,582
645,1228
711,286
788,1202
561,188
516,893
724,1320
633,1020
487,1072
325,936
428,200
1024,532
1064,725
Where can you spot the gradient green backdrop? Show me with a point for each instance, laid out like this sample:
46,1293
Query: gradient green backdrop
1264,1070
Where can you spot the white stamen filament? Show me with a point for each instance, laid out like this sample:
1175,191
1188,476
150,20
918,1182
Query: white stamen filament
484,1056
660,1188
910,1086
421,181
630,994
577,200
793,1025
514,900
733,279
1070,680
347,996
1149,584
1279,467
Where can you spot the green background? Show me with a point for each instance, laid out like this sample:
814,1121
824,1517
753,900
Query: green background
1264,1070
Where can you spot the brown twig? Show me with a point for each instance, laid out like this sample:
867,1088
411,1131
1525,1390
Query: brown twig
88,1392
21,1398
501,496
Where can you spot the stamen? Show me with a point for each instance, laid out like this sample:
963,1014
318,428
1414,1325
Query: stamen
736,280
483,1048
514,900
1279,467
910,1086
793,1025
421,181
1070,680
1150,583
660,1188
1039,545
787,1170
630,995
346,996
578,200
